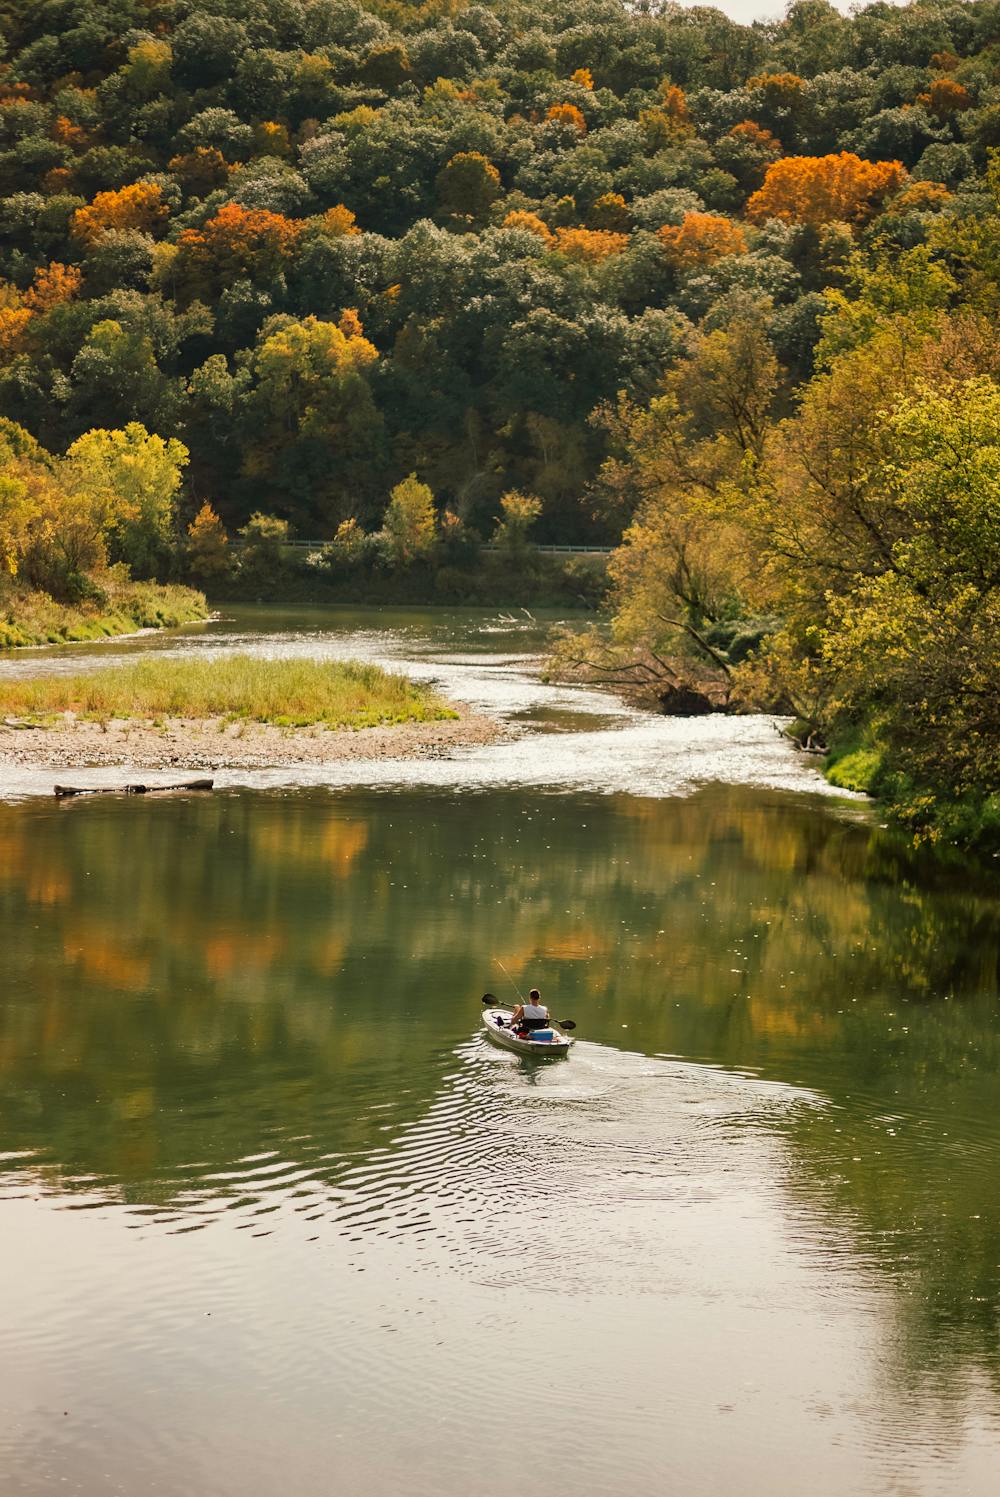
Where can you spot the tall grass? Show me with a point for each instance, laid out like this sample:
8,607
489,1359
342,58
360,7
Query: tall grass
291,693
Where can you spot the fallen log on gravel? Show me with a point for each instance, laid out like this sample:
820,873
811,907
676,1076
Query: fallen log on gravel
62,791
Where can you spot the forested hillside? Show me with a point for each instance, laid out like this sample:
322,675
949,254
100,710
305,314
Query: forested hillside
327,245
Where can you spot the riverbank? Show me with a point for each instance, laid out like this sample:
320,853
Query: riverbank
489,579
35,618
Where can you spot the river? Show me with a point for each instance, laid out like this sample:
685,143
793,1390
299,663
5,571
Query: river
274,1216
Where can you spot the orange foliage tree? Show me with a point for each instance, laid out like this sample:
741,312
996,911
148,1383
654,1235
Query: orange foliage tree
207,545
200,171
824,189
944,98
519,218
13,326
667,122
701,239
53,284
589,246
138,206
237,243
752,134
584,77
567,114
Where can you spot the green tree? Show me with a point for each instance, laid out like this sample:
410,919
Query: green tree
468,186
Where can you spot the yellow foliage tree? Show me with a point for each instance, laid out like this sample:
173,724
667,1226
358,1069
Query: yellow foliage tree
410,522
338,222
610,211
271,139
132,477
207,544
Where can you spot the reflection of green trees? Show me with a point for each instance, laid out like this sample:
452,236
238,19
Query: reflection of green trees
192,983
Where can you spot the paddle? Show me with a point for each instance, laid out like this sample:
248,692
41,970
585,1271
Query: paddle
495,1003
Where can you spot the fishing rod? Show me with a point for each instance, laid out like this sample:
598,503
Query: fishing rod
510,979
489,998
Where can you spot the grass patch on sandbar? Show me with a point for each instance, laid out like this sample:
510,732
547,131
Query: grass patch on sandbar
289,693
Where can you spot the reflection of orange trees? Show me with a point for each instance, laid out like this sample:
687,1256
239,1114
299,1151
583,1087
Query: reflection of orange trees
771,1018
726,926
102,956
334,844
226,953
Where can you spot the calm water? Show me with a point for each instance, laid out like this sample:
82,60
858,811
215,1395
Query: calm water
273,1215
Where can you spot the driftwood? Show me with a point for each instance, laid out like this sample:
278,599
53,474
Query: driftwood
62,791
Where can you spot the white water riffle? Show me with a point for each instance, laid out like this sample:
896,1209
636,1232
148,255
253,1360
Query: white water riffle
567,737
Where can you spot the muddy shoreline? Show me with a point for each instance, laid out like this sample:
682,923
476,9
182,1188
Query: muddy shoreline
211,743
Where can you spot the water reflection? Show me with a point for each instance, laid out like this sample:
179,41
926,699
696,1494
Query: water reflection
257,1012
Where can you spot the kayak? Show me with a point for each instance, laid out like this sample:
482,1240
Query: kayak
495,1022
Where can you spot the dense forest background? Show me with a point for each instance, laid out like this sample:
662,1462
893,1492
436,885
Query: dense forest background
327,245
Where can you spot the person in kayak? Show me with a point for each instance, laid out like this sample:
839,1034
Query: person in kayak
530,1015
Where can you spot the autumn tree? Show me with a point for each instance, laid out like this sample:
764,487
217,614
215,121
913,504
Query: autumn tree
410,527
701,239
139,206
567,114
610,211
589,246
236,243
312,430
918,642
207,545
520,218
518,512
945,98
134,475
821,189
668,122
338,222
200,171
